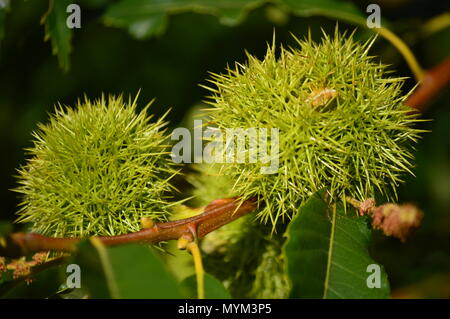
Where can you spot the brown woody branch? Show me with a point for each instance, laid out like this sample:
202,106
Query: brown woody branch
433,83
215,215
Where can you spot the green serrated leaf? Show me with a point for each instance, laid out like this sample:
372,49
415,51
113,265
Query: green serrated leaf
145,18
57,31
214,289
327,254
127,272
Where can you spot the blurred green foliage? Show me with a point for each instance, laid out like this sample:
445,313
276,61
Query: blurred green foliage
107,272
214,289
168,52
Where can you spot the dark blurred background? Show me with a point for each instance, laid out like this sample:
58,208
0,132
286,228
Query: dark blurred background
170,65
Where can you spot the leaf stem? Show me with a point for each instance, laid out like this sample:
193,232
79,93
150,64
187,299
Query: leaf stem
405,51
192,247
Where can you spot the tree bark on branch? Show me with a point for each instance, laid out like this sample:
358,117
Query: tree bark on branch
434,82
215,215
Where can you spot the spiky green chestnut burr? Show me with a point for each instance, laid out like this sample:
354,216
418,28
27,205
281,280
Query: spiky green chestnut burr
96,169
342,123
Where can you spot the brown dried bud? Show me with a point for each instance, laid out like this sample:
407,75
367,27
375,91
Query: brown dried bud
396,220
21,268
40,258
366,206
